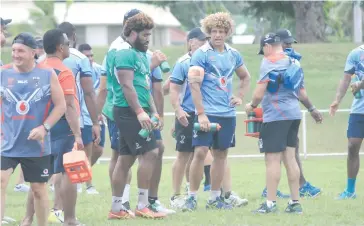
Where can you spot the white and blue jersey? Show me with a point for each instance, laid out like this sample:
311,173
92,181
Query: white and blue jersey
81,67
179,76
217,85
355,66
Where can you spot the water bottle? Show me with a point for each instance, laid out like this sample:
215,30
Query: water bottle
144,132
251,125
213,127
165,67
354,79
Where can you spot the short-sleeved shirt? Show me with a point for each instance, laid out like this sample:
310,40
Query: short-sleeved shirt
355,66
179,76
68,84
217,85
156,74
81,67
137,61
284,104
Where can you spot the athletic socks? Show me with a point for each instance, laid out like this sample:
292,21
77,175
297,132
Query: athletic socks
126,193
351,185
270,204
142,198
207,175
214,195
116,204
152,200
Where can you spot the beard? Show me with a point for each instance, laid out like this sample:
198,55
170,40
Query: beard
141,46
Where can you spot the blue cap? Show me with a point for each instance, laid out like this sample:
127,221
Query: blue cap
270,38
26,39
196,33
131,13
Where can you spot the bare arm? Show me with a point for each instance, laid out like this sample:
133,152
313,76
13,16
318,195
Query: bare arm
90,98
195,76
343,87
58,102
166,87
126,81
303,97
101,97
158,97
244,84
72,115
259,93
175,91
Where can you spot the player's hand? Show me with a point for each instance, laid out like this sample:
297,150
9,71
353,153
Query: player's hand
172,132
182,116
157,58
333,107
159,125
204,122
248,108
235,101
96,133
317,116
37,133
145,121
355,87
79,142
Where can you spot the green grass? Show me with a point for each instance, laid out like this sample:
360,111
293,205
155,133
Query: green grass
248,180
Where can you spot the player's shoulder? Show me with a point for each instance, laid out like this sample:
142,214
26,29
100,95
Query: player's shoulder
6,67
230,48
205,48
116,43
185,58
76,54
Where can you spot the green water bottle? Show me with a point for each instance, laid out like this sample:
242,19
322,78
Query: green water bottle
174,134
354,79
165,67
144,132
251,125
213,127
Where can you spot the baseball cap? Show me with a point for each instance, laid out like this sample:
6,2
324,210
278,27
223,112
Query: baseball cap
131,13
39,41
26,39
286,36
270,38
196,33
5,22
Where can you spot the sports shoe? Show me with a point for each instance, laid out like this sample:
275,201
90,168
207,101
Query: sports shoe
294,208
7,220
21,188
158,207
56,216
177,201
307,190
123,214
148,212
346,195
279,194
265,209
236,201
190,204
187,188
218,203
92,190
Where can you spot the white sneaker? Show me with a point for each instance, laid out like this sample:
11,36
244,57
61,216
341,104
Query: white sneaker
8,220
92,191
21,188
177,202
236,201
56,216
79,188
160,208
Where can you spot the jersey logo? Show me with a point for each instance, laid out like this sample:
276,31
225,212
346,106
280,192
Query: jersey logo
194,133
182,141
137,146
223,82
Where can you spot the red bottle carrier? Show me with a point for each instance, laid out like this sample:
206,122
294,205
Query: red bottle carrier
77,166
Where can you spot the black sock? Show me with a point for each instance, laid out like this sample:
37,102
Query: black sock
207,175
295,201
227,194
152,200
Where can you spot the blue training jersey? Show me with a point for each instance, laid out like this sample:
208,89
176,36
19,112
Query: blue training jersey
179,76
217,85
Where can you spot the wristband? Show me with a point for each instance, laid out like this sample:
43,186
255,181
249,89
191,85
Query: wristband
311,109
139,111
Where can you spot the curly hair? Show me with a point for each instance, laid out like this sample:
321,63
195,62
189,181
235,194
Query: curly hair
218,20
138,23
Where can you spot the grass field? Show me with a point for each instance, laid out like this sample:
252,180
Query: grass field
323,65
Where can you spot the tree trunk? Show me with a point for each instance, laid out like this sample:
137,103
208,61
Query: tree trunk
310,21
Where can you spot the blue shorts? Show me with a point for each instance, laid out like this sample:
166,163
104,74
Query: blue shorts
59,148
157,134
222,139
356,126
86,133
113,134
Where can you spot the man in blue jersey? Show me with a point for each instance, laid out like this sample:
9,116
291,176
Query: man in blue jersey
26,92
354,67
93,151
210,77
306,189
81,68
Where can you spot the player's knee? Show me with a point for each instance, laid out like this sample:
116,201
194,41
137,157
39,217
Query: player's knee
98,151
160,149
200,154
38,189
354,147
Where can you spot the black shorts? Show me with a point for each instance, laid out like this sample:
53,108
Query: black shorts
35,169
278,135
184,134
130,141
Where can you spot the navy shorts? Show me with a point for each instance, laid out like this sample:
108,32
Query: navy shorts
219,140
113,134
184,134
157,134
60,147
86,133
356,126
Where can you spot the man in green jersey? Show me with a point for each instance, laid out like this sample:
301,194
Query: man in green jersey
133,108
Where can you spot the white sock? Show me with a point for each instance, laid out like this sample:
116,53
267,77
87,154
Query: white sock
142,198
192,194
116,204
270,204
215,194
126,193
